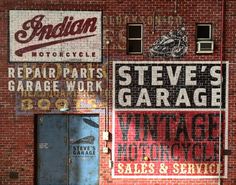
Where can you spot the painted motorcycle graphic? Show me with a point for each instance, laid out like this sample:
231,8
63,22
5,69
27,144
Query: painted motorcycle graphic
91,123
173,44
85,140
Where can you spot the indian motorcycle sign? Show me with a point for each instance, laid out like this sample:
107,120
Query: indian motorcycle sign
168,118
55,36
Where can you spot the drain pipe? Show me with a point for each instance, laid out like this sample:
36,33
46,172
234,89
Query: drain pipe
106,132
221,66
107,99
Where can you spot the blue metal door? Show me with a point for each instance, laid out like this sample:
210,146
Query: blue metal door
84,150
68,150
52,150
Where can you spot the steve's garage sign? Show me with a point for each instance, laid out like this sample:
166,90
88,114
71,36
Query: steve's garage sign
168,117
55,36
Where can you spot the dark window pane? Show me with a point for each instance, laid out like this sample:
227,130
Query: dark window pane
134,31
203,32
134,46
206,46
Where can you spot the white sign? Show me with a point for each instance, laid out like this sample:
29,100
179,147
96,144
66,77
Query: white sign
55,36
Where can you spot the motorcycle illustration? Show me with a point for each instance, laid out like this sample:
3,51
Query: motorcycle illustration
173,44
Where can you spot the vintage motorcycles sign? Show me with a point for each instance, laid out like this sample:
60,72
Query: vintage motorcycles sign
55,36
168,118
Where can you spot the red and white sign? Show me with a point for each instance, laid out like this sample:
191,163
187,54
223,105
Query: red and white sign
55,36
170,119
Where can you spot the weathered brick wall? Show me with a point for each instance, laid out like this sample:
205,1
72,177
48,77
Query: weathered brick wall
17,127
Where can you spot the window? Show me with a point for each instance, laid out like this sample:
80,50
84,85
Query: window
205,43
204,32
135,39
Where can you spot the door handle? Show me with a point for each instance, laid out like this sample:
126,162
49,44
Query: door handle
70,160
65,140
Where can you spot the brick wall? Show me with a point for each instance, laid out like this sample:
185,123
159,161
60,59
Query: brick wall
18,128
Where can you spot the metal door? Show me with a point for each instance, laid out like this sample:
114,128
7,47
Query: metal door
84,150
68,151
52,150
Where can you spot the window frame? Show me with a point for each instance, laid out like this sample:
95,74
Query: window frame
130,39
210,32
